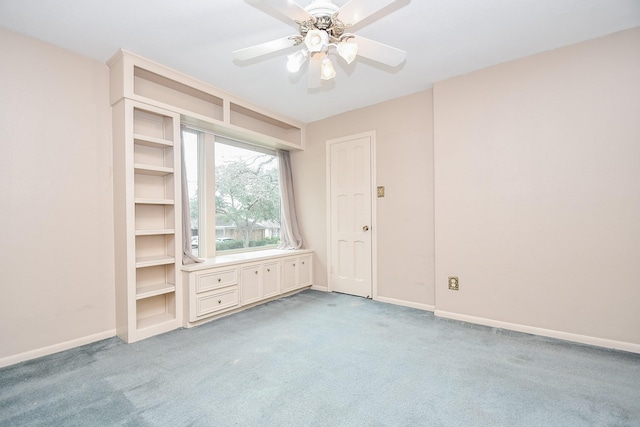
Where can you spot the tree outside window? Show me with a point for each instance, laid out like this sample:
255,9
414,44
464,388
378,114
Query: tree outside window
247,194
247,198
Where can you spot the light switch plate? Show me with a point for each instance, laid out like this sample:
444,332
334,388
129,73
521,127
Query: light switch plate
381,191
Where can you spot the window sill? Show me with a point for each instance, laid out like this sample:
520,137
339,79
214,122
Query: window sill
243,257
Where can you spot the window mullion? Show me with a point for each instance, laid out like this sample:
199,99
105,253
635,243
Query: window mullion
208,195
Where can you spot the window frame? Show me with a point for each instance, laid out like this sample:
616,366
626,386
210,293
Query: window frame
206,192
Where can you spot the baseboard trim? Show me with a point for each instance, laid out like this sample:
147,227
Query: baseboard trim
320,288
567,336
404,303
45,351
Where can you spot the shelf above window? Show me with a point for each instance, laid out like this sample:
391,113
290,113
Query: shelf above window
136,78
175,93
254,121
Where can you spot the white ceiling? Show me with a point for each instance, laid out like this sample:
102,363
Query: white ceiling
443,38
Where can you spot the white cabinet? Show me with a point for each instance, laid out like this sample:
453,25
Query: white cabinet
296,272
259,281
251,279
243,280
146,217
270,279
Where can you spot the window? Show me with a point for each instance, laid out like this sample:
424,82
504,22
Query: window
234,194
191,142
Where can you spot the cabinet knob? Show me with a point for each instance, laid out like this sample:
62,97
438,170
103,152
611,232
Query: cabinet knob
268,270
302,262
256,271
365,228
219,301
219,280
294,264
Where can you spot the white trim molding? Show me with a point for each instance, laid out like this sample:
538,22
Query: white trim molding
567,336
45,351
404,303
319,288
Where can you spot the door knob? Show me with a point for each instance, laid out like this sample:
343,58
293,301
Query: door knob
365,228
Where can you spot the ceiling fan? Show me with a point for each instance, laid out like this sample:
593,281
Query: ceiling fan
322,31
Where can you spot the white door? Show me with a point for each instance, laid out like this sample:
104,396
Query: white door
350,215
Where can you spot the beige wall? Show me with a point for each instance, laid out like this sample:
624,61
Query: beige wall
537,177
404,140
56,220
537,194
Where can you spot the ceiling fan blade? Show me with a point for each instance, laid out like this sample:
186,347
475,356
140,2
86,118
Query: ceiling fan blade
357,10
313,76
262,49
288,8
379,52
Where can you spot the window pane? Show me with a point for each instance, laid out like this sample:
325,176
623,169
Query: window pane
191,162
247,197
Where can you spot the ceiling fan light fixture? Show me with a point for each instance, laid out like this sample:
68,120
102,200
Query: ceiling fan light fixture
295,60
348,51
316,40
322,27
327,72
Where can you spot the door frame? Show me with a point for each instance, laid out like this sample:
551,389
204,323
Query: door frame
374,225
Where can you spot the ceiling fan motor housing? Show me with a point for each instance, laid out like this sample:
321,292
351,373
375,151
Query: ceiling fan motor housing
319,8
324,18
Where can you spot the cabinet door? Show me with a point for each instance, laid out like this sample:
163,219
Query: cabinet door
304,271
270,279
289,274
250,282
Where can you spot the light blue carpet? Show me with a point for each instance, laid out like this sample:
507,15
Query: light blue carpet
323,359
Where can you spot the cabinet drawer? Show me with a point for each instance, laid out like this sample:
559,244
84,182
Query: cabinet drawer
217,301
216,279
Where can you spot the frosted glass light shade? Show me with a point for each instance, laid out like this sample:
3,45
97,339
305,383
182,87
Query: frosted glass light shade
295,60
316,40
327,72
348,51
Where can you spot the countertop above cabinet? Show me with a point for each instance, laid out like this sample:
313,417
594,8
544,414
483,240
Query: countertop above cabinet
243,257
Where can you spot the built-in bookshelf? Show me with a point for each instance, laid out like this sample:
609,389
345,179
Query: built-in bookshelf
146,163
150,102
